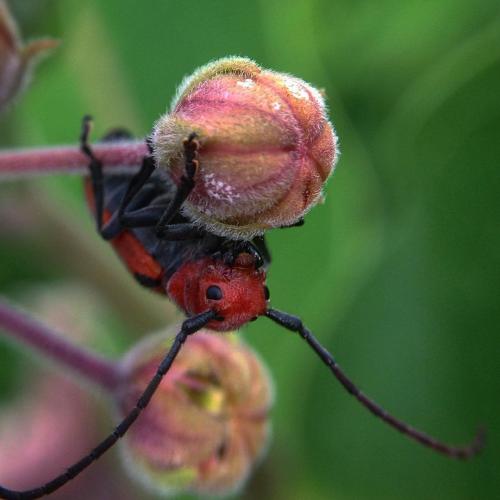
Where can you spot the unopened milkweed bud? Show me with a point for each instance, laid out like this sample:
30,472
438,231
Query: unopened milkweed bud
266,146
207,424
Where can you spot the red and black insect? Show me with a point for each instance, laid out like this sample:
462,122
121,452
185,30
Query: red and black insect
218,283
189,264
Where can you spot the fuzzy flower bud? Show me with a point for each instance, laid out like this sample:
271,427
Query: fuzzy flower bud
266,146
207,424
16,59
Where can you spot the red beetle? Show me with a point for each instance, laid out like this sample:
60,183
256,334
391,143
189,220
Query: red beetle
218,283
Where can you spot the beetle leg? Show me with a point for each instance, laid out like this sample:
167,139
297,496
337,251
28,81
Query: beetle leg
230,249
95,168
187,183
259,243
114,226
299,223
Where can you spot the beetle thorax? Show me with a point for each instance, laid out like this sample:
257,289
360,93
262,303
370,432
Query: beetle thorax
236,292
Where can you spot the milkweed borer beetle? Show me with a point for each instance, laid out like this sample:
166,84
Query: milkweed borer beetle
218,283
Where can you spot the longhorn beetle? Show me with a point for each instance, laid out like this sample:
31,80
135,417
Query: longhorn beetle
220,284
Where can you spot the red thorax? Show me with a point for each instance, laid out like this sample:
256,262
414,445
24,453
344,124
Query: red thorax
242,286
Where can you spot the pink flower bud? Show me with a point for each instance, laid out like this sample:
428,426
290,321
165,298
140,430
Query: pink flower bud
207,425
266,146
16,59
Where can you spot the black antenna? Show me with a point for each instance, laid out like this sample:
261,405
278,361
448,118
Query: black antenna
295,324
189,326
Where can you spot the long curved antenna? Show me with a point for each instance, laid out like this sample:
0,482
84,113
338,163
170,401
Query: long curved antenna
295,324
189,326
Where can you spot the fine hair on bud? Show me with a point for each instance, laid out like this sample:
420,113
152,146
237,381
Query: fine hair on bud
266,146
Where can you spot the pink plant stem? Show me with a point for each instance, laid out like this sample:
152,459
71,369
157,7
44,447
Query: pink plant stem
44,340
20,163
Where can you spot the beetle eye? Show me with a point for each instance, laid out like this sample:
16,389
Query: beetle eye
267,294
214,292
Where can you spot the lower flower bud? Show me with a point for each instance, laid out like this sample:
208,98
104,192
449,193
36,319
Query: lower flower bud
208,423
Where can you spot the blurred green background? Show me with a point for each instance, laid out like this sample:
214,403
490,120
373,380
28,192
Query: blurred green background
398,273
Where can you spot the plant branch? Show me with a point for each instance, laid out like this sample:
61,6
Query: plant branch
30,332
16,164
